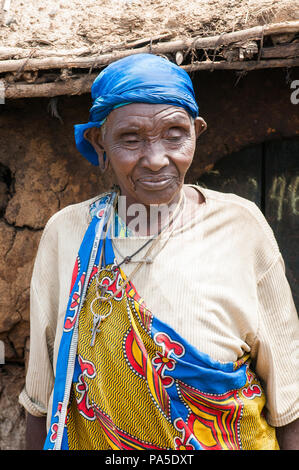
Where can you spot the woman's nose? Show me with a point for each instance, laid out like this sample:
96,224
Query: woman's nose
154,156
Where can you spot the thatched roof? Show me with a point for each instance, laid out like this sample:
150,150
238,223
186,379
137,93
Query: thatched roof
111,24
62,43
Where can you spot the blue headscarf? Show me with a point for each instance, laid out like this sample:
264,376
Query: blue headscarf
140,78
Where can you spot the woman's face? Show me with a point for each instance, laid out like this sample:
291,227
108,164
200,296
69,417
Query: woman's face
150,148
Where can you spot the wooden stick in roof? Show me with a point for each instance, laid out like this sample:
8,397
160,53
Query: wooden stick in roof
101,60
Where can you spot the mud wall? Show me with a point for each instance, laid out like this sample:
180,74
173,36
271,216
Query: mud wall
42,172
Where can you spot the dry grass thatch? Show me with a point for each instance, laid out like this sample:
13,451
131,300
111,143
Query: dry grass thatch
110,24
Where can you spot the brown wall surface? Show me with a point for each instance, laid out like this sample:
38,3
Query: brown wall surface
42,172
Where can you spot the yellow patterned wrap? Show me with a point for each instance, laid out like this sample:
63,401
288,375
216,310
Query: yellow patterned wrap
120,398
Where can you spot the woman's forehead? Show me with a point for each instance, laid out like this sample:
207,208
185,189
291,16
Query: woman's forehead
138,113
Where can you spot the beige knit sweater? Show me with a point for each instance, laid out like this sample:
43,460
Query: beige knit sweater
219,281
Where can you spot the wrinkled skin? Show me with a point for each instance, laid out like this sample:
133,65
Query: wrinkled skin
150,148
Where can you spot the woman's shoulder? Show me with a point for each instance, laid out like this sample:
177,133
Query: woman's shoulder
74,217
79,211
246,222
241,213
225,198
231,203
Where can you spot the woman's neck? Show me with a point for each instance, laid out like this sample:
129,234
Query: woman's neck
148,220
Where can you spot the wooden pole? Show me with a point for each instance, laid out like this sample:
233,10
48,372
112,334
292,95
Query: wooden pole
240,65
246,34
281,51
22,53
98,61
76,86
7,53
81,85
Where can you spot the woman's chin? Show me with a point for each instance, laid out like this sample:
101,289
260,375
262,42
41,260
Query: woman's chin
154,194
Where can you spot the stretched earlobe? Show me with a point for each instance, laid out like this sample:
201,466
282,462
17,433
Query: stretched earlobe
200,126
93,136
103,162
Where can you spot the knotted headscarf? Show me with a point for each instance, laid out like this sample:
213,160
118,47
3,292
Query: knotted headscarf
140,78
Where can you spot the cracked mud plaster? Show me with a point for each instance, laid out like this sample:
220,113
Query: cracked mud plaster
12,415
40,173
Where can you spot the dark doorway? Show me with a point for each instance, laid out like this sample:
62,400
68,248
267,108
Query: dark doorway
267,174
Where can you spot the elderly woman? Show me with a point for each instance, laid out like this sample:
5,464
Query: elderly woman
161,317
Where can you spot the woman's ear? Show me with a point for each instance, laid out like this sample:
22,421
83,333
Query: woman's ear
94,137
200,126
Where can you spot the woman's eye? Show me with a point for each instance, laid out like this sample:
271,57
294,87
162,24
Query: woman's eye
131,139
176,132
174,135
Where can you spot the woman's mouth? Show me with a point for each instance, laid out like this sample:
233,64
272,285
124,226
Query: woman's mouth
154,183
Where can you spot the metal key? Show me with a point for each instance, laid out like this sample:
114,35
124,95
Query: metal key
95,328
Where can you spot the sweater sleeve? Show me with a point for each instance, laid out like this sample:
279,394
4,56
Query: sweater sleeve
49,295
276,345
43,317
